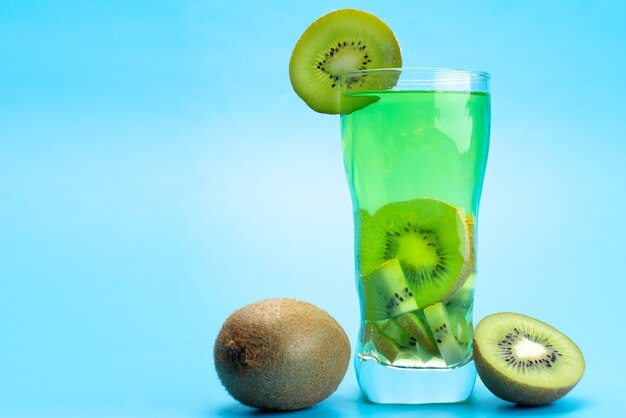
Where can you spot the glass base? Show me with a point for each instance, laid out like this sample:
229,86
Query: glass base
395,385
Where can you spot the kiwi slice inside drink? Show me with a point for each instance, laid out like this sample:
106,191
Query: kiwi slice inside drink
412,347
384,293
339,42
414,326
523,360
463,297
383,346
394,331
452,353
430,240
462,328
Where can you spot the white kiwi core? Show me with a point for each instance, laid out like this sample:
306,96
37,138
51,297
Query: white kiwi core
527,349
344,60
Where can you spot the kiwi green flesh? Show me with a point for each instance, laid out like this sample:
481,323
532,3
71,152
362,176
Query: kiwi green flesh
441,327
394,331
430,239
461,325
462,299
339,42
383,345
470,222
385,292
415,328
273,354
526,361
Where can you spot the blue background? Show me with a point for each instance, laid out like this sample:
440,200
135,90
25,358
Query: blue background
158,172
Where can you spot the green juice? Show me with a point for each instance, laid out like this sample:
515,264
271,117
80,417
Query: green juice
415,162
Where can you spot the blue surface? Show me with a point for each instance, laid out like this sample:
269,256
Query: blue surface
139,208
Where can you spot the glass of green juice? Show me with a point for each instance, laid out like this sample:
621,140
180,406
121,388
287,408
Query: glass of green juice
415,145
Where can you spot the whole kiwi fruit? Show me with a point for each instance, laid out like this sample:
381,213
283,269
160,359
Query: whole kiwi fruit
281,354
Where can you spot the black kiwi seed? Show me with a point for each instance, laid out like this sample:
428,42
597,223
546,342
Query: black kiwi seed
505,346
393,300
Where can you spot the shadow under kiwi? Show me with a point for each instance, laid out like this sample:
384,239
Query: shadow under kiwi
557,408
477,407
236,410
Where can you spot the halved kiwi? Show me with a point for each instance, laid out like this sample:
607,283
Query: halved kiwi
429,238
384,293
523,360
339,42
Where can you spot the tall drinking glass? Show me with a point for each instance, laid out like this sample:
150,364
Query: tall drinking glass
415,145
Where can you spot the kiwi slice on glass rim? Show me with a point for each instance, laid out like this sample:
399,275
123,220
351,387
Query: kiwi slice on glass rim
339,42
428,237
523,360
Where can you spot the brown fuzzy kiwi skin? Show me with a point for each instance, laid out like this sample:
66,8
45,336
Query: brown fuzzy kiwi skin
281,354
508,390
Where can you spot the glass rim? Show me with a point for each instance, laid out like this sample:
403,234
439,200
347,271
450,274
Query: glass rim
460,71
